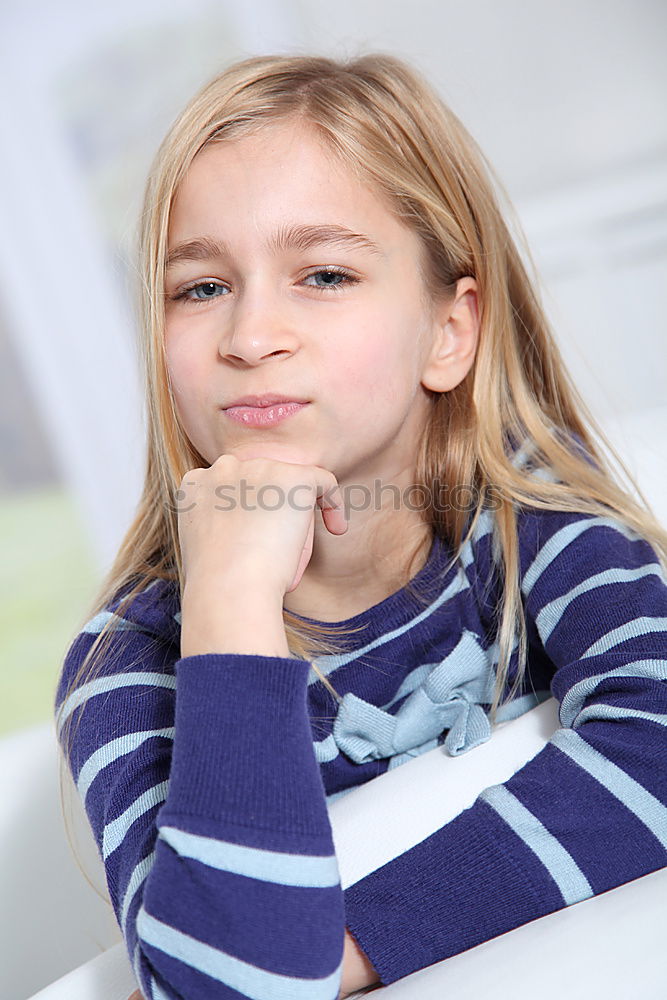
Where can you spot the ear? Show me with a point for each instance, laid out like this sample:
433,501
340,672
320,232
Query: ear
455,335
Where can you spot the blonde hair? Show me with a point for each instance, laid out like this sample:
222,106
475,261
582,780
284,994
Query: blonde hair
383,121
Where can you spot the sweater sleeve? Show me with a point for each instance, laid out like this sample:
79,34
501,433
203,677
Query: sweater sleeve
200,783
589,811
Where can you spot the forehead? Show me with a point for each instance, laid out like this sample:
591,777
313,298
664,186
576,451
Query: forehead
286,168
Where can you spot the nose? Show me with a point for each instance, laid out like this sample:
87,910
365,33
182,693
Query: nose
258,330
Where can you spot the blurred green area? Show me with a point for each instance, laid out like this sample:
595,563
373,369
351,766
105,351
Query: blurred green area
48,580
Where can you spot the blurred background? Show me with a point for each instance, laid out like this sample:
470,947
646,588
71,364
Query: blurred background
567,99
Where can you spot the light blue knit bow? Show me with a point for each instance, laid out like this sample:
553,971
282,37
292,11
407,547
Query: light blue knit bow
449,698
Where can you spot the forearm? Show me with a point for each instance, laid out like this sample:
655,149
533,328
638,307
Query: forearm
227,841
233,623
244,776
243,863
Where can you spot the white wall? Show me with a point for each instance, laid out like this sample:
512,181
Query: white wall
567,99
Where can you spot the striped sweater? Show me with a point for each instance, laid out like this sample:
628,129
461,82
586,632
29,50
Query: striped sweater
207,779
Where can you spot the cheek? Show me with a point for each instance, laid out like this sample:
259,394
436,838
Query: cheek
380,364
363,376
183,370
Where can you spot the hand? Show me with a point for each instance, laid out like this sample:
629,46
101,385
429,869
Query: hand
251,518
358,973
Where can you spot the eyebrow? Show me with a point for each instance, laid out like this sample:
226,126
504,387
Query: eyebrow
286,238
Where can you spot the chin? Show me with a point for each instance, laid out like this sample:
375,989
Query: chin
280,451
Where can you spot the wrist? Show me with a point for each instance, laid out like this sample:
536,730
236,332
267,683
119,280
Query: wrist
209,576
236,620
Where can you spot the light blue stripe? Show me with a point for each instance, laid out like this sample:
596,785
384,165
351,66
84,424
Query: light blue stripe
483,527
103,684
327,664
486,520
638,626
111,751
648,810
614,712
574,699
158,994
249,980
550,615
561,539
307,871
137,879
114,832
96,624
136,963
566,873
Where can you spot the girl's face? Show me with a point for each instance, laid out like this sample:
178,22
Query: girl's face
289,276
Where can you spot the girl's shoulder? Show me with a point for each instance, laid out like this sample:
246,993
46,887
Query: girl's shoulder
120,642
557,529
154,609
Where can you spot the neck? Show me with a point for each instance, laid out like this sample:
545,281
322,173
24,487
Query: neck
347,574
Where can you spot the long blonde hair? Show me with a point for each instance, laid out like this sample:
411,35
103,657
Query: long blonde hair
383,121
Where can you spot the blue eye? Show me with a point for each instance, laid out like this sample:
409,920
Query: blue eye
208,289
344,278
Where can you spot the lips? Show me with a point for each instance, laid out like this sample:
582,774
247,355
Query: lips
266,399
268,415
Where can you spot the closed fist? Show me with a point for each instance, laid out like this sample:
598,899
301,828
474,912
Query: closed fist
250,517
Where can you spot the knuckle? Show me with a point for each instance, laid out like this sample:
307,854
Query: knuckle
190,478
226,462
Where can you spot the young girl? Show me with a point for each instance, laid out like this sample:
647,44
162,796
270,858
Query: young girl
374,520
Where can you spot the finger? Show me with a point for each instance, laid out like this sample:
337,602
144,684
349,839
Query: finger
331,503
